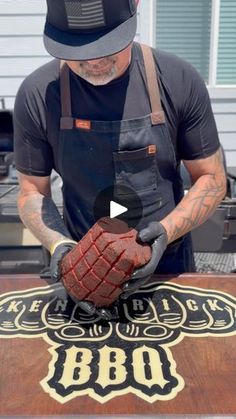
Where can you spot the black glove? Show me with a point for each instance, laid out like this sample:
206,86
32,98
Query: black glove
156,234
56,258
55,269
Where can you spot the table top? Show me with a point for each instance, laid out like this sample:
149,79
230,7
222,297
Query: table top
173,350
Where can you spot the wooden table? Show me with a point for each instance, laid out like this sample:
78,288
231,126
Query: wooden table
172,352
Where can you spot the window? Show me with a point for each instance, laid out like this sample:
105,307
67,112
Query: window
202,32
226,69
183,27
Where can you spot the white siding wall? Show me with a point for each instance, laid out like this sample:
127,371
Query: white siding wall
21,46
22,51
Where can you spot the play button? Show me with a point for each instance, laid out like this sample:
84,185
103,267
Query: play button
119,202
116,209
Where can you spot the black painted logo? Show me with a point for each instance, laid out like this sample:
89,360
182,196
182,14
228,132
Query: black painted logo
104,360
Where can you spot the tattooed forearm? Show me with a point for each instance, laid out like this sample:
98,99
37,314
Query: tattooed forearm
40,215
198,204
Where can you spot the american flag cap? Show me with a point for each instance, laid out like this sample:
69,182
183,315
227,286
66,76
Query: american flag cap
89,29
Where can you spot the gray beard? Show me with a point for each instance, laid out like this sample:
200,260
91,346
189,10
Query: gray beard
101,79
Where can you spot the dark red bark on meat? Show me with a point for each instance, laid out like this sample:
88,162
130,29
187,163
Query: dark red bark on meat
105,258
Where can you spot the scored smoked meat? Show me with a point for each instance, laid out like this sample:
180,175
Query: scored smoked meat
105,258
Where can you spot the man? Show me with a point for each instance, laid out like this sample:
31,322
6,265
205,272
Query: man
107,113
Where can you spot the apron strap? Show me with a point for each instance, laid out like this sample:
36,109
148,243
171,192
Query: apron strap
67,121
157,115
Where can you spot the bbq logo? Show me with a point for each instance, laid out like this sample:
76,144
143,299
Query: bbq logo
104,360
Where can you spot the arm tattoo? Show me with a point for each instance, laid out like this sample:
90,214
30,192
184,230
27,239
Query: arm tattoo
198,204
41,216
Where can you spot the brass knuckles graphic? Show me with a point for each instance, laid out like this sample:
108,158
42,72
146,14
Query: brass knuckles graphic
143,323
158,312
162,312
48,310
175,309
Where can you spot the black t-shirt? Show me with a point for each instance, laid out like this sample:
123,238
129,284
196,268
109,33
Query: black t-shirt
184,98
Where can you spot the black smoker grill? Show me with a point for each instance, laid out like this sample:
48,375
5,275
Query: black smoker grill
20,252
214,242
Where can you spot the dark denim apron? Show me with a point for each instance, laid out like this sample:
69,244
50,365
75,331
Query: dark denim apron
136,153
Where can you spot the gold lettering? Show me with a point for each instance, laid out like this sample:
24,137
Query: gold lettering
213,305
192,305
147,367
76,372
165,304
61,305
111,368
35,306
138,305
13,306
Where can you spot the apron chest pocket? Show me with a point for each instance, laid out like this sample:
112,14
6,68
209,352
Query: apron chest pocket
136,169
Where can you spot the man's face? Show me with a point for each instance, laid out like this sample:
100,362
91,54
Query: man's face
102,70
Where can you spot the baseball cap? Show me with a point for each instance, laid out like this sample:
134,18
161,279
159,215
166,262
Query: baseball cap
89,29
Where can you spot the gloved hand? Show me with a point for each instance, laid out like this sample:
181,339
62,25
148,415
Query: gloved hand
156,234
58,251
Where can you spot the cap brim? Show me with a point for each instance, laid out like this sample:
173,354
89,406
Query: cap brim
68,46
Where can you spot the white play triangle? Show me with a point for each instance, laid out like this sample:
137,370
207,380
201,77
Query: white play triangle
116,209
